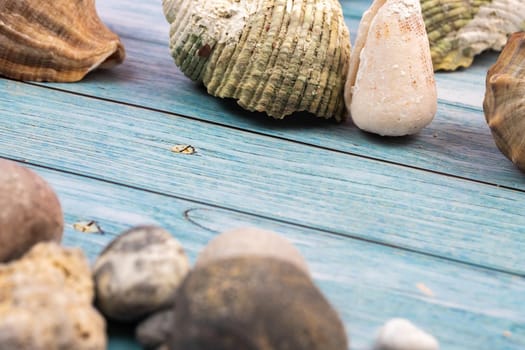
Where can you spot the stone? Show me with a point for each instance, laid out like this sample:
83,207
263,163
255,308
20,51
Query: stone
138,273
30,211
401,334
46,302
253,303
251,242
153,332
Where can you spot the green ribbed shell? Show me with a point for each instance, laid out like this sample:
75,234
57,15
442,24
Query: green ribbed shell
273,56
458,30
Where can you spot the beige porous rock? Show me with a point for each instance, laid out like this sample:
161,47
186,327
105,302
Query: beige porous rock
46,302
504,102
30,211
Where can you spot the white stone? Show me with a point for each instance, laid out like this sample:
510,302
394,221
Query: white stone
401,334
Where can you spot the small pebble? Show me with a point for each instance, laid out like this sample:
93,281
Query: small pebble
30,211
153,332
401,334
251,242
138,273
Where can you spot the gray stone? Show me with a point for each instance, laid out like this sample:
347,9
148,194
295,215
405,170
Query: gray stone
138,273
153,332
251,241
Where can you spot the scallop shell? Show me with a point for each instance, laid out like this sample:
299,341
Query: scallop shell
458,30
59,40
390,88
273,56
504,103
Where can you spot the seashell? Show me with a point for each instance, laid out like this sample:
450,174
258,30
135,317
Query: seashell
504,103
458,30
273,56
59,41
390,88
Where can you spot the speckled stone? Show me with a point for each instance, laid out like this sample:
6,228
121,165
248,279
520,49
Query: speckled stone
251,242
253,303
138,273
401,334
153,332
29,211
46,302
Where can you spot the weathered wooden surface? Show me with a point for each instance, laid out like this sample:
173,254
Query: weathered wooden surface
429,227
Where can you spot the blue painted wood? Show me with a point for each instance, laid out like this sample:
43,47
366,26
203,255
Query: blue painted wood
471,308
145,20
458,142
316,182
267,176
128,19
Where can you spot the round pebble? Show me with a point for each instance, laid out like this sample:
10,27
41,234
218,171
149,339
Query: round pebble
251,242
253,303
138,273
153,332
30,211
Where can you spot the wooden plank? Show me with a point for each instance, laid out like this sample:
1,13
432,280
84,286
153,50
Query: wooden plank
458,142
267,176
144,19
462,87
470,308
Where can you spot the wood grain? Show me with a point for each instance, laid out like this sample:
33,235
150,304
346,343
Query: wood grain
267,176
470,308
428,227
144,20
458,142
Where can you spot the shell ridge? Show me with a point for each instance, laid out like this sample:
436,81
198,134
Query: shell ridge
297,99
319,47
272,68
268,65
230,71
328,82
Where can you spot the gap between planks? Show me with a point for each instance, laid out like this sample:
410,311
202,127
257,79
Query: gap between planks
459,313
277,220
255,132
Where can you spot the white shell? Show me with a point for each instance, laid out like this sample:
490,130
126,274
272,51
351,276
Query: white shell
390,88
